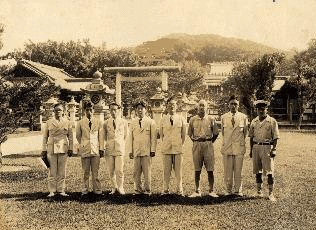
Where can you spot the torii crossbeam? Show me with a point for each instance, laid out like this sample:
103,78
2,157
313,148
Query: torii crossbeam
121,70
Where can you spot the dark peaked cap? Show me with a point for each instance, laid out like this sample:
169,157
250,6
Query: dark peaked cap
140,103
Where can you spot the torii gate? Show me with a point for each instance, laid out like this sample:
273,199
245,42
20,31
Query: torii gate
119,78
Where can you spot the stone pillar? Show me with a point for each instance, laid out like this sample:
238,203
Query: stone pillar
118,89
164,81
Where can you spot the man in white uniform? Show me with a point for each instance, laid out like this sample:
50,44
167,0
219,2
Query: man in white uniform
115,134
89,133
173,132
142,140
234,132
57,143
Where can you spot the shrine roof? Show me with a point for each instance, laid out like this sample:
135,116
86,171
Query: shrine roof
55,75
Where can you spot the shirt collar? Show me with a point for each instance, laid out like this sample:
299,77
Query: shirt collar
266,119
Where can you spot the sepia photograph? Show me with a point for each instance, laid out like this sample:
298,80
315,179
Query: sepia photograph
161,114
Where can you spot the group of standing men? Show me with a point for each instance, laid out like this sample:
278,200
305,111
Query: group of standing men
113,138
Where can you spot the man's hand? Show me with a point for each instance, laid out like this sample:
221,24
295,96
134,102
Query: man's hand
131,156
101,153
70,153
44,153
272,153
152,154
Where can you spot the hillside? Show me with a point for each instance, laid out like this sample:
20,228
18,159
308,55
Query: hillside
204,48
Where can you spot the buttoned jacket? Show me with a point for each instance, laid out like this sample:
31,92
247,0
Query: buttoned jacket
172,135
234,135
142,138
115,137
90,140
57,136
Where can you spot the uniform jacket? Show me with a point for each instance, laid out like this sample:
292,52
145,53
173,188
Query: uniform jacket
115,138
234,136
57,136
172,136
205,126
265,131
90,140
142,139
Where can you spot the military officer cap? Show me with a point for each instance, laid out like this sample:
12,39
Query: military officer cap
261,103
142,103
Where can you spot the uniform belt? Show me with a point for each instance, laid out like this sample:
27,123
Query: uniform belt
262,143
203,140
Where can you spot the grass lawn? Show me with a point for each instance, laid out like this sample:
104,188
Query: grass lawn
23,196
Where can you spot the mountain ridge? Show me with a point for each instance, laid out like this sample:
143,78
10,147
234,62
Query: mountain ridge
203,47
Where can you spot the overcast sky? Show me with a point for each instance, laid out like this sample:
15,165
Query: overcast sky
282,24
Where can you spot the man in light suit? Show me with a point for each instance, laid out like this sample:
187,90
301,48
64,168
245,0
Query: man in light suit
90,136
142,140
234,132
57,142
173,132
115,134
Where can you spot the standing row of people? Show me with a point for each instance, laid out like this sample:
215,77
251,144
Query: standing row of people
113,138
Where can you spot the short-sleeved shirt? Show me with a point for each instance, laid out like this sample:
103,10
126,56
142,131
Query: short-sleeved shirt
264,131
202,126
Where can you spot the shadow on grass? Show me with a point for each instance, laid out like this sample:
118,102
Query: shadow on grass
28,174
141,200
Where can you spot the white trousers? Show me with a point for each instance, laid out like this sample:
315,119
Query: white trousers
116,166
172,161
232,172
57,172
91,164
142,164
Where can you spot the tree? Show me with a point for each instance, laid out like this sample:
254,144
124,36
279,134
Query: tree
303,66
252,80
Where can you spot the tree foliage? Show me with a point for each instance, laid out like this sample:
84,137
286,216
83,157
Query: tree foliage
253,80
303,72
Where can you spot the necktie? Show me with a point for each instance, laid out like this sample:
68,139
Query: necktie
171,120
114,126
140,123
233,121
90,124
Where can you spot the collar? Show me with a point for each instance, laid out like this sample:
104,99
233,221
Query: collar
266,119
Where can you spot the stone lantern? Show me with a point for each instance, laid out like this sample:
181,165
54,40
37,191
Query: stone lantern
72,110
96,91
157,102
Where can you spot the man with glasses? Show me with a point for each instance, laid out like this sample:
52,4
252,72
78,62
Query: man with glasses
234,131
